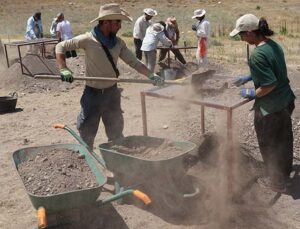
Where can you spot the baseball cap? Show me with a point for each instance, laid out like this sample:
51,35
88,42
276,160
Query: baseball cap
247,22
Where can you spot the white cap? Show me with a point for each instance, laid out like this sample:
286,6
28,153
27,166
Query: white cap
150,12
247,22
199,13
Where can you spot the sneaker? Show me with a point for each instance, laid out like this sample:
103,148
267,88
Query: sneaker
275,187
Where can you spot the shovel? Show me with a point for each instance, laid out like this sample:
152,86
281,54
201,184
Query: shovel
114,80
193,79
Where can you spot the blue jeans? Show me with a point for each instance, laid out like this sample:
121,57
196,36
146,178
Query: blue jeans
97,104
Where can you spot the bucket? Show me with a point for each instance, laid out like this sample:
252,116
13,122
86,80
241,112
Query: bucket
8,103
170,73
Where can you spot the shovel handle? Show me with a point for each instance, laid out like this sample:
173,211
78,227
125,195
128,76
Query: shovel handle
115,80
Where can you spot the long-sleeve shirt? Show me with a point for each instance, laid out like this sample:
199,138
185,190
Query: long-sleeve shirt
53,28
203,29
65,30
140,27
96,61
152,38
34,29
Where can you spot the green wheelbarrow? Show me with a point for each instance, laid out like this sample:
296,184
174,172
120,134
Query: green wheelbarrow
164,180
51,204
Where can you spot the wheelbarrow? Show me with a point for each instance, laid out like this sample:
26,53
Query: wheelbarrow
165,180
52,204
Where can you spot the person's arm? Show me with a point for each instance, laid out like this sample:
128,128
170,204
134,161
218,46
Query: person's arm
164,40
262,91
30,28
61,60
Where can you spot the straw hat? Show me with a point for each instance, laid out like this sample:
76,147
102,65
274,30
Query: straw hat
59,15
150,12
199,13
112,11
247,22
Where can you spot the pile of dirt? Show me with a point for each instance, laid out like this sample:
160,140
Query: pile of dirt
157,150
12,79
56,171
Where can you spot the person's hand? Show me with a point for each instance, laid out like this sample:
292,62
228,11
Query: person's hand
194,27
248,93
157,80
66,75
241,80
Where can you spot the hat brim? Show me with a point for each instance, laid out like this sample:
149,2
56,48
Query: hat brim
154,13
200,15
122,17
234,33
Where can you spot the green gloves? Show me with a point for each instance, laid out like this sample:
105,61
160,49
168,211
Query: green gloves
66,75
157,80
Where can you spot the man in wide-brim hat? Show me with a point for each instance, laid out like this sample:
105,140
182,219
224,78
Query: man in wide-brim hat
139,30
102,99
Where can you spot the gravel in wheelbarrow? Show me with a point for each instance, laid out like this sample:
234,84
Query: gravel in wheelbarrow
53,171
86,191
157,149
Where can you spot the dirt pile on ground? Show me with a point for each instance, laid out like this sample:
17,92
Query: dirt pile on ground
12,79
54,171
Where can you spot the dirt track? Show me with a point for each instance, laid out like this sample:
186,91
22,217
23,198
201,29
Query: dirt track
43,103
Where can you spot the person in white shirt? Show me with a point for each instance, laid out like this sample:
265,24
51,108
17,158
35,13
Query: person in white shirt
154,34
202,28
64,32
34,30
139,30
54,25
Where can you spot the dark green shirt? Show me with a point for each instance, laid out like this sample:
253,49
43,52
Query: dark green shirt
268,68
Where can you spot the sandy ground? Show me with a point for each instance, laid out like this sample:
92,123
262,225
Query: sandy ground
44,103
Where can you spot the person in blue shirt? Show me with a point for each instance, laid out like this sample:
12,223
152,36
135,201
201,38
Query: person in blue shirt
34,28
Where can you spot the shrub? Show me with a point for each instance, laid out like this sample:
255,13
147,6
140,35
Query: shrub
127,34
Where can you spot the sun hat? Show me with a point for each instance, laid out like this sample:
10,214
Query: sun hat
247,22
199,13
112,11
150,12
58,16
157,27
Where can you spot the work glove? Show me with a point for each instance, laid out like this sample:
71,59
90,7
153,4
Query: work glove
194,27
241,80
157,80
248,93
66,75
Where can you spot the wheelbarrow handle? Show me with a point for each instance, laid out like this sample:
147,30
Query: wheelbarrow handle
41,215
137,193
80,140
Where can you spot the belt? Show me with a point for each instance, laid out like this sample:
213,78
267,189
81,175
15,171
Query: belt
101,91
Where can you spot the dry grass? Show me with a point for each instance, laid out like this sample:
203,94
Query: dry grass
14,14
